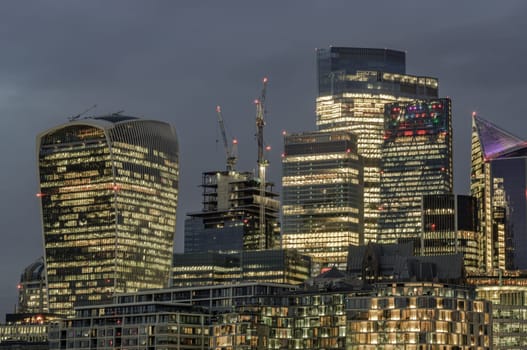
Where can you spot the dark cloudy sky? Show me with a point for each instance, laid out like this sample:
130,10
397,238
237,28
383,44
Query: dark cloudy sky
176,60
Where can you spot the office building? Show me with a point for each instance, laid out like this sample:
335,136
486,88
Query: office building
449,226
329,311
322,193
32,289
354,84
149,325
272,265
333,313
508,294
108,194
498,182
230,217
416,160
216,299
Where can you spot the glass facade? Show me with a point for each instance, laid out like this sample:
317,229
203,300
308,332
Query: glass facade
508,295
32,289
322,196
449,226
354,86
416,160
499,183
108,193
272,265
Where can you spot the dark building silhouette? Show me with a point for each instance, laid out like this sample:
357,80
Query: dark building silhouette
449,226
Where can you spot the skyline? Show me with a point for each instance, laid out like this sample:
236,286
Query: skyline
176,62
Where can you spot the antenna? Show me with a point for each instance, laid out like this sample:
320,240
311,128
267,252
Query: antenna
81,114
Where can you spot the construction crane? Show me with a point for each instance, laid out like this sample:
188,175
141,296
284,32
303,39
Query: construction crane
230,152
262,162
81,114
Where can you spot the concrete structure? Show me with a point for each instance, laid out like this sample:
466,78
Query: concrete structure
230,217
108,195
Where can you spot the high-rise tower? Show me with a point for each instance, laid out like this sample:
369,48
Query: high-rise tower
499,184
449,226
108,193
354,84
322,196
416,161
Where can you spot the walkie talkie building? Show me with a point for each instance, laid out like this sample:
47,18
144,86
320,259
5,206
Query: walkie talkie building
108,193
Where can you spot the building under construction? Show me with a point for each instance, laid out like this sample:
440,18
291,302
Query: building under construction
230,217
240,209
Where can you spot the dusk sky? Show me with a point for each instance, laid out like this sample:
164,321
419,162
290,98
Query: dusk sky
176,60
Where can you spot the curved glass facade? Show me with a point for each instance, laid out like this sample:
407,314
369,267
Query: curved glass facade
108,192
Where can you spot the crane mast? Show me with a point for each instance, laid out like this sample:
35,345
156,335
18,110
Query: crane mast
262,162
230,152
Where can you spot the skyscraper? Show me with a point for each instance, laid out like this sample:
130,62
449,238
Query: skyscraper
449,226
353,86
108,193
230,217
499,183
416,161
322,196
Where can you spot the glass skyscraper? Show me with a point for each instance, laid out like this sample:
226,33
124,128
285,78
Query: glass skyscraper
499,183
108,193
449,226
354,84
416,161
322,196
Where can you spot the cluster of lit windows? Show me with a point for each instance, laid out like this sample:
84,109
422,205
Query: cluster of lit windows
413,165
23,333
509,310
418,315
322,195
133,328
107,204
358,106
277,266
